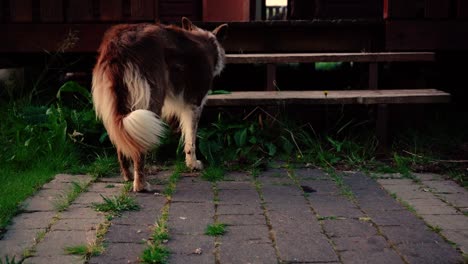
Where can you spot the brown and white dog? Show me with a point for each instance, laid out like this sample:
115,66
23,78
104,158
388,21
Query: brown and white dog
147,73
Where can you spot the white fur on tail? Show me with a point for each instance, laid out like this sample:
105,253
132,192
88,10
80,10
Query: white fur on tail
136,132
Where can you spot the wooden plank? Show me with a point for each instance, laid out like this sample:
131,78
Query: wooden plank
421,35
21,10
416,96
329,57
51,10
462,9
111,10
80,11
142,10
437,9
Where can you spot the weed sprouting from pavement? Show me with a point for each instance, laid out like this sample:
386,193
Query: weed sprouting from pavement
216,229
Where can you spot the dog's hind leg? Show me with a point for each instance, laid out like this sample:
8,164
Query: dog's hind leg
124,166
139,183
189,124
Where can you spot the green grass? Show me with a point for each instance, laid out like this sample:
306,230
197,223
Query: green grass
213,174
8,260
77,250
17,185
117,204
68,197
156,255
216,229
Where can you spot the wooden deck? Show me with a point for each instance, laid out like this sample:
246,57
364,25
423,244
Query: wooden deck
366,97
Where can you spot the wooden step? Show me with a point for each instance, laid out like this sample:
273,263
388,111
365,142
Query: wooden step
414,96
329,57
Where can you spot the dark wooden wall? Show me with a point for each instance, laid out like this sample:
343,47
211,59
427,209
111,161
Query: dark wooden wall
426,24
95,11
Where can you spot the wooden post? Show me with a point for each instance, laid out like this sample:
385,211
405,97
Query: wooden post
382,130
373,76
271,77
381,126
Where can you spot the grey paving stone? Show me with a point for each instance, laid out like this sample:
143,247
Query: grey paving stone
449,222
101,188
237,176
254,219
349,228
112,179
55,242
193,183
128,233
410,234
386,256
238,197
190,218
43,200
192,196
119,253
310,174
235,185
188,244
335,206
81,213
425,202
76,224
402,217
227,209
254,233
435,209
247,252
428,176
429,253
204,258
87,199
69,259
412,191
363,244
399,182
321,187
294,222
304,247
444,186
33,220
460,237
378,203
15,241
72,178
459,200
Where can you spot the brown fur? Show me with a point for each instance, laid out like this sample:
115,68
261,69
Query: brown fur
145,72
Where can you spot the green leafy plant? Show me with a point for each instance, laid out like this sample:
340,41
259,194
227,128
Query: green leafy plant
117,204
216,229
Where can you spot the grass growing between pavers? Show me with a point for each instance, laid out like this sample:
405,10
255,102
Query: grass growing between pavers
115,205
8,260
64,201
216,229
157,252
213,173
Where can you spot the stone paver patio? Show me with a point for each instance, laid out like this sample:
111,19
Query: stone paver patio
282,216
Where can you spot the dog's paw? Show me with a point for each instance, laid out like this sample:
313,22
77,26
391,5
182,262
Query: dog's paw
197,165
141,187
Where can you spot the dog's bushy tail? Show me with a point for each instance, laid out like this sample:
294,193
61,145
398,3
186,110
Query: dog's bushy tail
117,85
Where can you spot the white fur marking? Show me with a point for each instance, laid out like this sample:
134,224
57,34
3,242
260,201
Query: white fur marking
144,127
138,87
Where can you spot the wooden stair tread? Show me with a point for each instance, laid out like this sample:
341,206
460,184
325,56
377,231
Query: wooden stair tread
329,57
400,96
